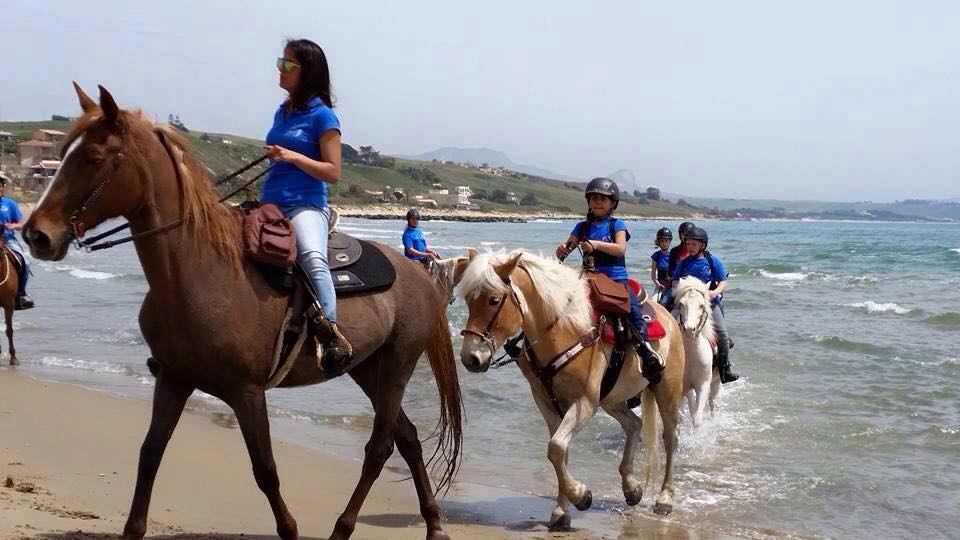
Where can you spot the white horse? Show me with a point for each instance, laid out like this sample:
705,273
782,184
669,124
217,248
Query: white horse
701,382
564,362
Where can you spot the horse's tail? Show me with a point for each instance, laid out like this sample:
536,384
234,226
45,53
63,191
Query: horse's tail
651,432
449,430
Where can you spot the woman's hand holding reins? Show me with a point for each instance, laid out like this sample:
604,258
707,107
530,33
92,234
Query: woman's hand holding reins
278,153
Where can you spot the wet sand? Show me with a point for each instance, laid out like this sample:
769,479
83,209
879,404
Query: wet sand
68,460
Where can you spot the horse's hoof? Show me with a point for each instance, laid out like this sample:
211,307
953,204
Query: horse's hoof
14,362
437,535
633,496
586,502
560,524
662,509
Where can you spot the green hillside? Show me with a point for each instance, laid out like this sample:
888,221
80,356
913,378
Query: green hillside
219,159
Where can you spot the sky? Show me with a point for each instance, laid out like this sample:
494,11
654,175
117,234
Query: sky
853,100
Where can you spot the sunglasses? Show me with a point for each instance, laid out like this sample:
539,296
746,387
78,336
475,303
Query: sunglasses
286,66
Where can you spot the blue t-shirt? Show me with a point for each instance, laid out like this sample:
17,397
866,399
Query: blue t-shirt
662,258
600,230
300,131
9,213
413,238
700,268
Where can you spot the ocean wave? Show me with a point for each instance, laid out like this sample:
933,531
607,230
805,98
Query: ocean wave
544,221
394,232
838,343
788,276
488,244
84,365
365,236
80,273
874,307
955,250
950,319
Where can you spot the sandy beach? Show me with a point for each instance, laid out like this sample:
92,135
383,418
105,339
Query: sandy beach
68,458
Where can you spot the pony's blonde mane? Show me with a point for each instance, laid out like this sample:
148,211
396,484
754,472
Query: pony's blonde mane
559,294
689,284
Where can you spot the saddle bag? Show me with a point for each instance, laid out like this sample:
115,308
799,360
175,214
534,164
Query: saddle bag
607,295
268,236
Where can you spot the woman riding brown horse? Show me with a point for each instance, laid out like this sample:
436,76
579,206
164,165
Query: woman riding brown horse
210,319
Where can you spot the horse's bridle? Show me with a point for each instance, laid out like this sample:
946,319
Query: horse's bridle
703,312
487,334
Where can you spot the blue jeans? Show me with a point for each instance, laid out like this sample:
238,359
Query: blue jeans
312,226
636,316
14,245
666,297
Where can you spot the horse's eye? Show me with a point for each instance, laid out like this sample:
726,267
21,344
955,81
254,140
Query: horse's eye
95,160
494,301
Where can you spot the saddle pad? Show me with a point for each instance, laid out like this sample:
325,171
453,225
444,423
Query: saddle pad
362,268
13,257
655,330
343,250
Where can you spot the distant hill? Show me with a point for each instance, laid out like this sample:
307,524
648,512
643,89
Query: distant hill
494,158
945,209
626,180
411,176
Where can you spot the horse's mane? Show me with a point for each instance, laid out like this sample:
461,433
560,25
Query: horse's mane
691,283
560,293
203,216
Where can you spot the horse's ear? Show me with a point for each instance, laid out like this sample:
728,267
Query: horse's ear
507,267
471,253
86,103
460,268
111,113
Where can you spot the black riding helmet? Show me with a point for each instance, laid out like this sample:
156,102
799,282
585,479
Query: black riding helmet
664,234
696,233
413,213
604,186
684,227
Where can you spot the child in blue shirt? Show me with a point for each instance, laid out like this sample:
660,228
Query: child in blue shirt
660,264
603,240
701,264
414,244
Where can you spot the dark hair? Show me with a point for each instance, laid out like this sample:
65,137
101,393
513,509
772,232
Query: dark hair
314,75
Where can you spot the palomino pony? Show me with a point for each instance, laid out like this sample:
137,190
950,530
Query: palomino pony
211,319
548,301
701,381
9,282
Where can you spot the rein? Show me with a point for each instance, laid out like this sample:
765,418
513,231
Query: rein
544,372
79,228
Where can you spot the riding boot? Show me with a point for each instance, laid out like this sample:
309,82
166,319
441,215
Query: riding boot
336,349
651,363
23,302
723,365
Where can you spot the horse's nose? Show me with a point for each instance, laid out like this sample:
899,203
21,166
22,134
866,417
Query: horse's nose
471,361
37,240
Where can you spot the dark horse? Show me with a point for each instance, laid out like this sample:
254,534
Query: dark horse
210,319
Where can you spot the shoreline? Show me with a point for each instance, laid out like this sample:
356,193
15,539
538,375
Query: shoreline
71,477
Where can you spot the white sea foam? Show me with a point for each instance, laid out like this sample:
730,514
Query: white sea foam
545,221
874,307
368,230
366,236
489,243
955,250
91,274
787,276
83,365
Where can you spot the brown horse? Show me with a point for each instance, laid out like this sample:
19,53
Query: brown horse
9,281
548,301
210,318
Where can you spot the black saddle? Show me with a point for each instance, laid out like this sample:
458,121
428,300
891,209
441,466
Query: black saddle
356,267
